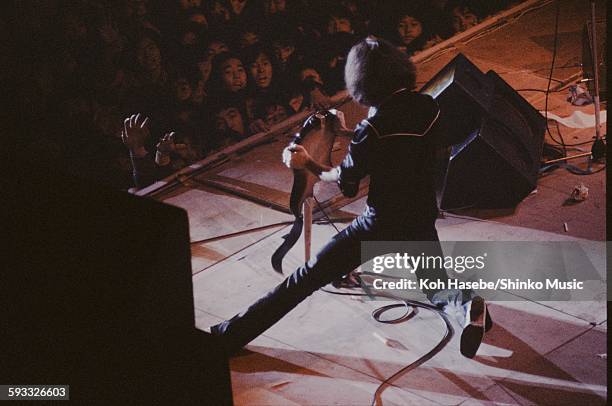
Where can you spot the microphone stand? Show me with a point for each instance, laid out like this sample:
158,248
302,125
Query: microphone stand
598,149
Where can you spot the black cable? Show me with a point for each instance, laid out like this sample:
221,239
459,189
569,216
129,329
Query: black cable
346,219
234,253
550,78
571,145
237,233
571,168
325,214
445,340
411,310
331,292
539,90
551,151
577,171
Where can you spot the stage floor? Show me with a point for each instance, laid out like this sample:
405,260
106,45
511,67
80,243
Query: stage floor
329,350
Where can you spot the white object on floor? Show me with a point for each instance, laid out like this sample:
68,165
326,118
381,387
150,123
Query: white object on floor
577,119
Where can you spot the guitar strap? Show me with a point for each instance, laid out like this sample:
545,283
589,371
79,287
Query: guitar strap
319,143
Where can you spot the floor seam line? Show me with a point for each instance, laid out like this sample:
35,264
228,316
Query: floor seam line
237,252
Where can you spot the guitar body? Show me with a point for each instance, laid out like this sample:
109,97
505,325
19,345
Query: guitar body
317,137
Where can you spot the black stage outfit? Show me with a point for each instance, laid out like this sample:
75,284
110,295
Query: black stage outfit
395,147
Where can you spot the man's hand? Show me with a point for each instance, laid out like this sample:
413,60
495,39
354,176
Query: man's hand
166,145
296,157
135,132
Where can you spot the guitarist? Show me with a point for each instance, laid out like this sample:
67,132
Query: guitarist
395,146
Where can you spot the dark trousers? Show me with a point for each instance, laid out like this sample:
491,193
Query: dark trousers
338,257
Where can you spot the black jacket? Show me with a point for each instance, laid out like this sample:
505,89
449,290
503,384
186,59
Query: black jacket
395,147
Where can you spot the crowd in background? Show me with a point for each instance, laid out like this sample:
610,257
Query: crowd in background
200,74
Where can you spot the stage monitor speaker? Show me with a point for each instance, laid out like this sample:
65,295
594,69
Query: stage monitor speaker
497,165
464,95
99,296
587,57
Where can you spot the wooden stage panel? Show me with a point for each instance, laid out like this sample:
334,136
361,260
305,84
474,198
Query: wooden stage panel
213,213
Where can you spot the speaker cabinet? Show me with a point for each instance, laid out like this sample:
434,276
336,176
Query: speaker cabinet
497,165
464,95
100,296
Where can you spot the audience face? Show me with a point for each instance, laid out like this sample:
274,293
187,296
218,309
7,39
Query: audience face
283,52
189,38
215,48
233,75
189,4
199,19
219,10
237,6
149,55
74,28
261,71
409,29
248,38
463,18
135,8
140,7
274,6
199,93
339,24
205,66
230,119
182,89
